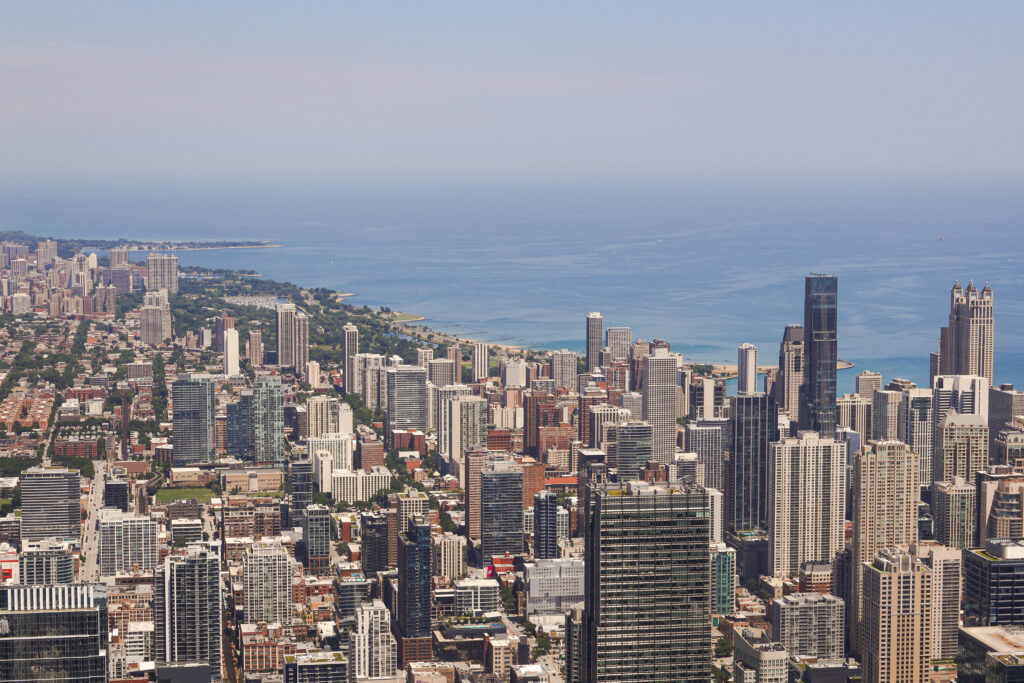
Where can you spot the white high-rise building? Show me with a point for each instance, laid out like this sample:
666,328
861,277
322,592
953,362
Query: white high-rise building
449,555
267,583
313,374
162,272
618,340
806,501
563,369
465,425
481,353
746,375
659,402
292,337
128,542
372,649
513,372
231,352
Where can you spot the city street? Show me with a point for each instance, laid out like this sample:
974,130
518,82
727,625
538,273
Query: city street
90,568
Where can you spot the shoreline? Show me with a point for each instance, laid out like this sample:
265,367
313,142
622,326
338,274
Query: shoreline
233,246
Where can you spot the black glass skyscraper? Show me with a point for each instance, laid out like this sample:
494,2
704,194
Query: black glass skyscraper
414,580
754,423
820,349
545,525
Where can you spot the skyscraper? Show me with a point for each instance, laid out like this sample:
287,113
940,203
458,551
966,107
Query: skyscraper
754,424
885,415
46,561
407,399
659,402
413,617
292,337
806,501
791,371
193,407
954,509
595,333
316,536
809,624
820,343
630,447
868,382
563,369
961,448
618,340
373,532
647,597
267,583
746,369
372,649
162,272
53,633
897,631
302,486
545,525
885,494
965,345
255,349
127,542
350,347
50,503
266,420
501,510
916,428
481,361
231,352
187,610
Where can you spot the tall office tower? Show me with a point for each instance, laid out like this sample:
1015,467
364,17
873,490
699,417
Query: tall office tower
707,438
47,561
267,583
50,503
707,399
791,371
53,633
595,333
630,447
806,501
954,509
820,338
302,486
254,350
46,253
754,423
601,417
545,525
1004,403
287,335
481,361
447,397
947,583
618,340
266,420
758,659
316,536
885,495
659,403
501,510
649,543
961,448
885,415
854,412
965,345
193,405
563,369
898,605
466,425
414,592
231,352
222,324
513,373
868,382
373,532
746,369
128,542
187,609
441,372
407,399
475,460
966,394
809,624
372,649
162,272
723,578
916,428
350,347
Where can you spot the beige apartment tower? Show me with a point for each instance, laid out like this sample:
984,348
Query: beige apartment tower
897,628
962,447
791,371
868,382
965,345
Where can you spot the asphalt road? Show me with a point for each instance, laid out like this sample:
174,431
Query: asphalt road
90,568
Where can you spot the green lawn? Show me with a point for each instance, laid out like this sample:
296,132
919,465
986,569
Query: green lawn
202,494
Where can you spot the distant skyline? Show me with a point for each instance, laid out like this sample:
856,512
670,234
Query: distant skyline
669,92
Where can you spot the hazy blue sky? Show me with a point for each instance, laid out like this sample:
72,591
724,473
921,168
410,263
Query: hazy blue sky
257,91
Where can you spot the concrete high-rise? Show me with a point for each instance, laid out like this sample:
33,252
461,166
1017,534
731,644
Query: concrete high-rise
618,340
231,359
809,625
187,609
954,511
563,369
646,587
946,567
266,420
659,402
50,503
441,372
501,510
372,649
806,501
193,405
965,345
595,333
885,495
897,630
46,561
267,583
707,438
791,371
406,399
128,542
754,423
916,428
854,412
254,350
350,347
820,343
885,415
746,369
292,337
758,659
961,447
481,361
162,272
868,382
